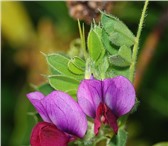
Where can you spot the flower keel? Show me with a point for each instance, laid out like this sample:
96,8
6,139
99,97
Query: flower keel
47,134
106,116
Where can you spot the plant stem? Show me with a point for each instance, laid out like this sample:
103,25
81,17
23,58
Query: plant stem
136,45
82,37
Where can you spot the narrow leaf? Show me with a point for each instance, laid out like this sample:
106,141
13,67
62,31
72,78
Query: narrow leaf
125,53
122,58
74,69
118,32
117,60
116,71
60,63
53,71
78,62
63,83
102,67
95,45
120,40
76,66
107,43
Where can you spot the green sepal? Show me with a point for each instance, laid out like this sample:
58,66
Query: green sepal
122,58
119,139
77,66
136,105
118,32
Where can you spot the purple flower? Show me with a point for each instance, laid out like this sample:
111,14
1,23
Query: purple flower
64,119
106,100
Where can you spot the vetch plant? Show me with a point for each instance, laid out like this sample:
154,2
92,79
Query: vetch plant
99,77
106,100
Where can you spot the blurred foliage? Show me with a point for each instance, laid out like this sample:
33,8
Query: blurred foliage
31,27
161,144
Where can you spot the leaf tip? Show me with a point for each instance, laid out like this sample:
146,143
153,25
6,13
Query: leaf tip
45,55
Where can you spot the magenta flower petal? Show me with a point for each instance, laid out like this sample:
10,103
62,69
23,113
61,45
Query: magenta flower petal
89,96
119,95
65,113
47,134
35,98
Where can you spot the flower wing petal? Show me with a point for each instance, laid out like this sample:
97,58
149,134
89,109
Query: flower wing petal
65,113
119,95
47,134
35,98
89,96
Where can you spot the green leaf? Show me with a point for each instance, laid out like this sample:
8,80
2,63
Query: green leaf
104,65
118,32
101,69
117,60
78,62
107,43
72,93
95,45
60,63
63,83
125,53
123,58
74,69
53,71
114,71
119,139
45,88
76,66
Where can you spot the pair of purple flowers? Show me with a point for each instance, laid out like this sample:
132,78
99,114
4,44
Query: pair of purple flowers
65,120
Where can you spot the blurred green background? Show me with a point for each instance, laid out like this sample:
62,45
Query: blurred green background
29,28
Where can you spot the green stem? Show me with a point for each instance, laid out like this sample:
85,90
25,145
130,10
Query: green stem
82,37
135,48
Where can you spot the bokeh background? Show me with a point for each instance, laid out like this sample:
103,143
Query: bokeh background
29,28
